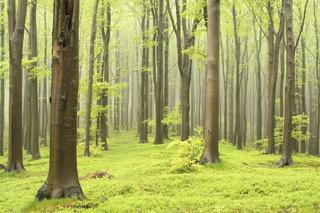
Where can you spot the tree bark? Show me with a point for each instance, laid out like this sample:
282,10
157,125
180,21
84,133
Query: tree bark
16,24
63,179
237,130
286,158
105,100
258,41
211,150
144,90
159,75
35,152
90,78
2,80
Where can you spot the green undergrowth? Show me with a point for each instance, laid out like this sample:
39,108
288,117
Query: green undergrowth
134,177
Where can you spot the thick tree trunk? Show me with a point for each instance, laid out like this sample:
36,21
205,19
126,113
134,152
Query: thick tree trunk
90,78
63,179
211,150
286,158
16,35
34,84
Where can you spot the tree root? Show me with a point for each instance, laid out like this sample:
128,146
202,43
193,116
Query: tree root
56,192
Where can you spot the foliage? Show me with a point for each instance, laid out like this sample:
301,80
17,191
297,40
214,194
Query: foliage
173,117
299,122
189,154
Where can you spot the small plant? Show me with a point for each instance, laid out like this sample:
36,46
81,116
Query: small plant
189,153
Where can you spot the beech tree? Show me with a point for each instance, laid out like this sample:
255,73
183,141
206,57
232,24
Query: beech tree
211,151
90,78
63,179
16,24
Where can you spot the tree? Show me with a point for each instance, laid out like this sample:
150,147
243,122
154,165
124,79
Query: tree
237,140
90,78
185,35
105,32
274,39
258,43
63,179
211,150
286,158
34,83
144,76
16,23
2,81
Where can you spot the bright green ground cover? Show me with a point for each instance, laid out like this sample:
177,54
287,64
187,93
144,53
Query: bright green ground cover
143,181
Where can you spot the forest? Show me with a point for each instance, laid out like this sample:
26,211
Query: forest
159,106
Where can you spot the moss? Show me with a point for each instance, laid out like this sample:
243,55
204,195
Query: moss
143,181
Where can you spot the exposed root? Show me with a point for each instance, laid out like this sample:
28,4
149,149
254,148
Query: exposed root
54,193
284,162
208,160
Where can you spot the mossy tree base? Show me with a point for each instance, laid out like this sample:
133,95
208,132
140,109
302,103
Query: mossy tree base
56,192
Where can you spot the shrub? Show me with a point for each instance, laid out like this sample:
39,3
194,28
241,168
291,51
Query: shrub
189,154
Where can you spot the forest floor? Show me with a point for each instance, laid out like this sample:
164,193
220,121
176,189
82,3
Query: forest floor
139,178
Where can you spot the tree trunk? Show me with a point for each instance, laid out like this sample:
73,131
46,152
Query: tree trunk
2,81
211,150
258,41
159,76
303,91
90,78
274,50
105,100
34,83
286,158
116,121
63,179
315,141
144,92
237,130
166,77
16,35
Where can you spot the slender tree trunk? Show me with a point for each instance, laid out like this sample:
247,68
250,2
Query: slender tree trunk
105,100
117,81
90,78
16,23
144,90
315,141
237,130
286,158
2,81
274,49
166,77
258,41
34,83
63,179
211,150
303,91
159,77
44,120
